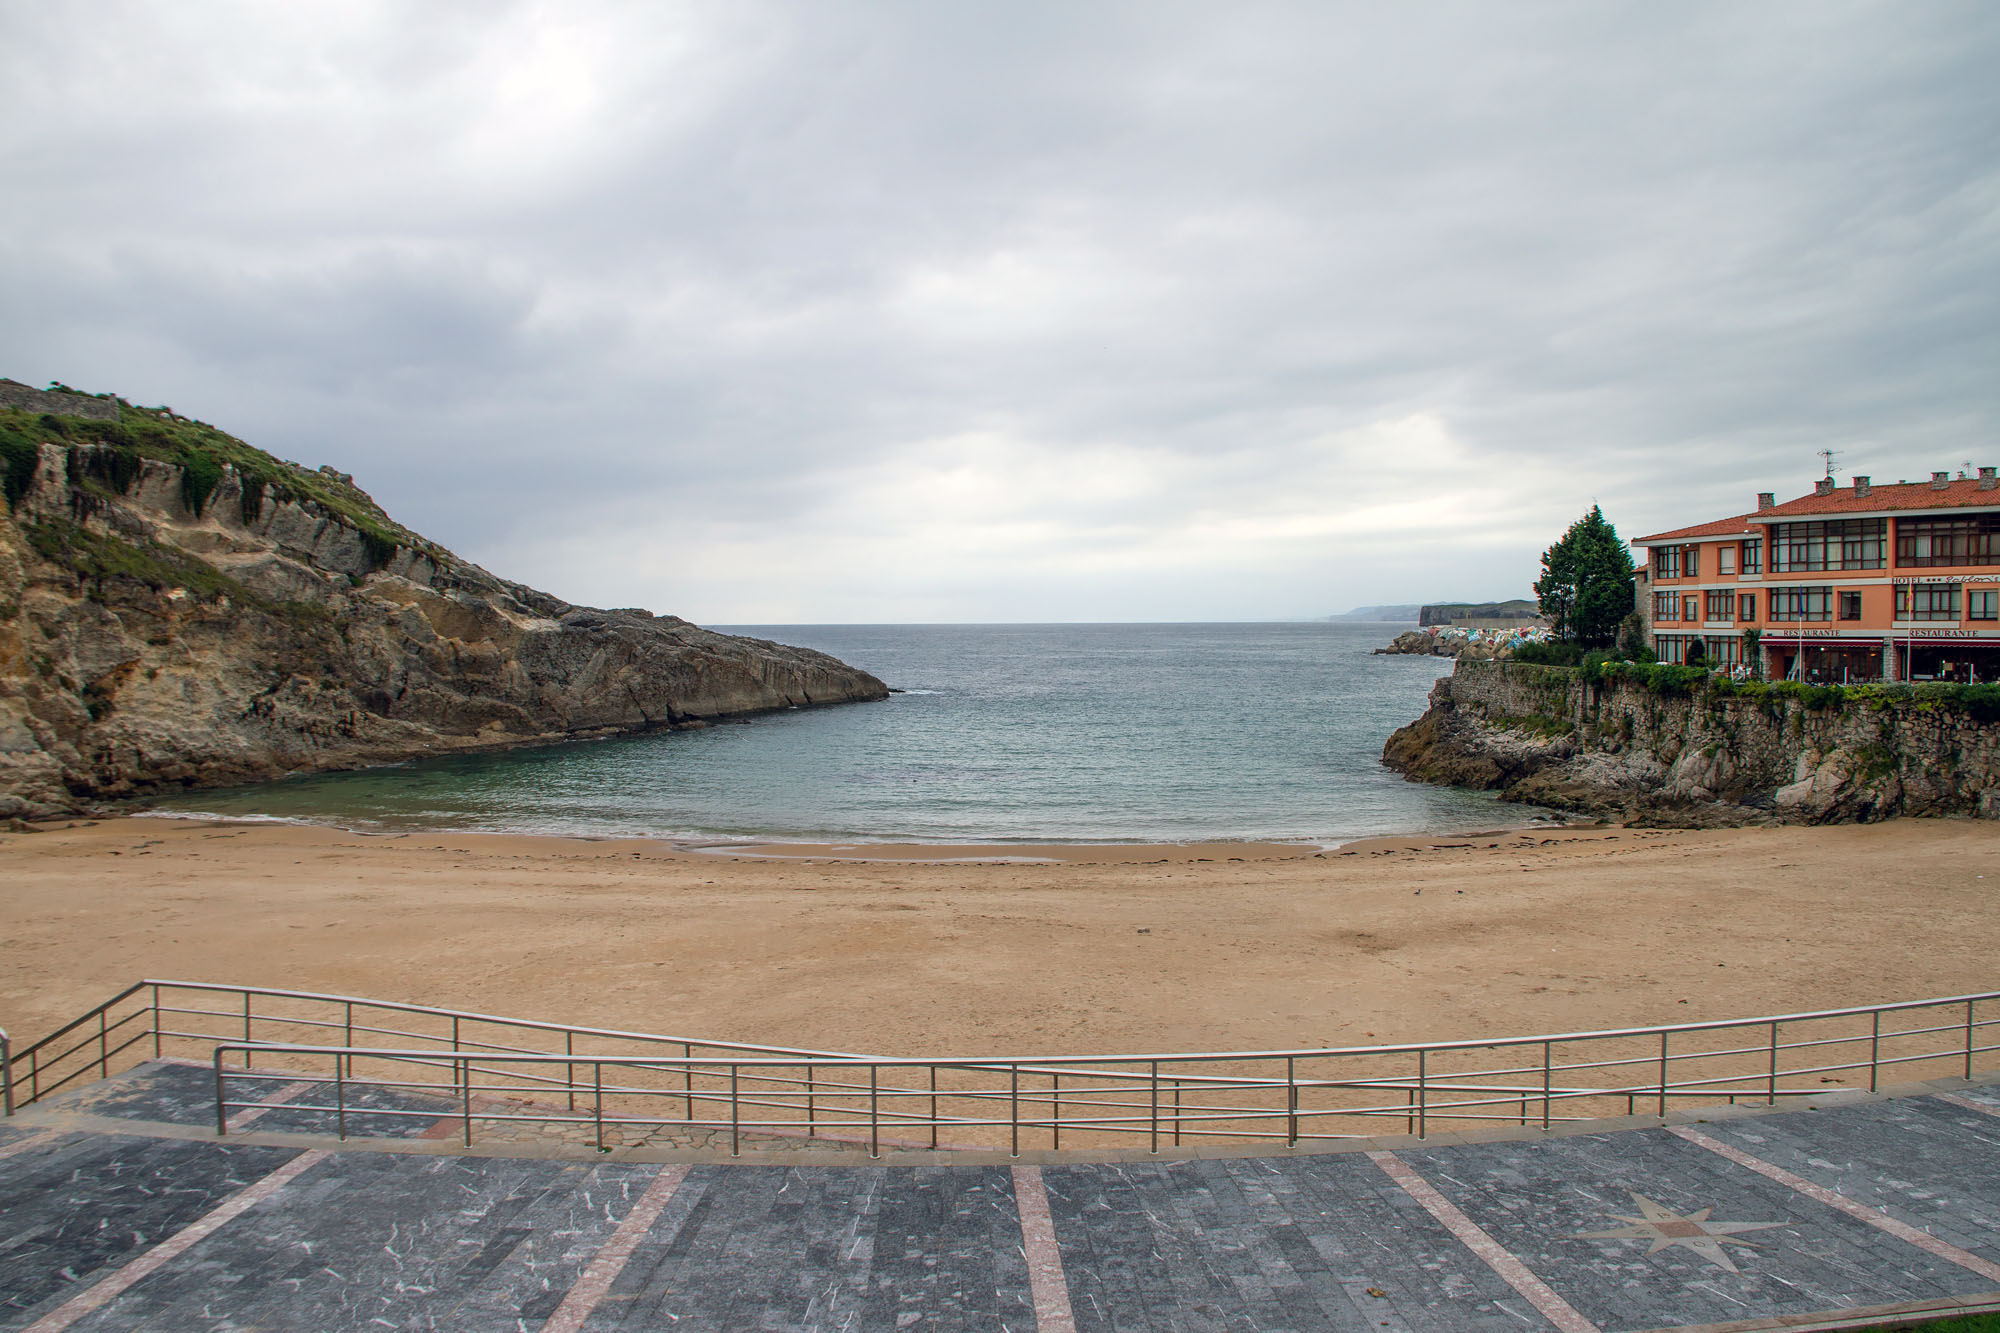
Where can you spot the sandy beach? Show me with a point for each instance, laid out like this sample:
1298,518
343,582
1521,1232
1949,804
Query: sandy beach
981,950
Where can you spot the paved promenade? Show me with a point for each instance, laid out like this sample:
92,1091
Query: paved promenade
120,1209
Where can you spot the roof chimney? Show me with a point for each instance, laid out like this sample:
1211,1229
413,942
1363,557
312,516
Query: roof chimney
1987,481
1940,481
1824,486
1766,500
1861,486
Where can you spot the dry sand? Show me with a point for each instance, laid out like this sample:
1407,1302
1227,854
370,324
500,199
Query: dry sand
1051,950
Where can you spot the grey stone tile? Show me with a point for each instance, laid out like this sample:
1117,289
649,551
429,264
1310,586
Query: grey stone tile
89,1203
1536,1200
829,1247
1306,1243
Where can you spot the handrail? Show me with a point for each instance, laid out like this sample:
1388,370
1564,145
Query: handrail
1292,1094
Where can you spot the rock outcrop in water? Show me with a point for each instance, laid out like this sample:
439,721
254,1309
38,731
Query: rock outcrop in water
178,609
1705,755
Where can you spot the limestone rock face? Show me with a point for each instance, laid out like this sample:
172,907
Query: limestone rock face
1546,737
147,646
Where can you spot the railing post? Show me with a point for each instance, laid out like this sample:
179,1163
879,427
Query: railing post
1177,1113
1663,1075
221,1105
156,1022
1771,1089
687,1075
6,1075
1423,1090
1291,1102
1968,1039
348,1029
597,1113
1156,1108
247,1056
339,1101
934,1115
1014,1110
464,1086
1548,1061
103,1044
569,1066
874,1116
1875,1050
735,1111
812,1085
1055,1110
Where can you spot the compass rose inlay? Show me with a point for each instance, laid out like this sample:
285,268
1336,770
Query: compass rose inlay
1666,1229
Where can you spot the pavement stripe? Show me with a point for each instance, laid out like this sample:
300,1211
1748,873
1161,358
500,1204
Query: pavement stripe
40,1140
1473,1236
1985,1108
1046,1282
176,1245
1881,1221
610,1261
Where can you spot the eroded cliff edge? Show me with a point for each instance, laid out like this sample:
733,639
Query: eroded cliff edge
1704,754
179,609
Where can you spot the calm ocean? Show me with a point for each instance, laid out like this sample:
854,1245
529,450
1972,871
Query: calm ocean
1070,733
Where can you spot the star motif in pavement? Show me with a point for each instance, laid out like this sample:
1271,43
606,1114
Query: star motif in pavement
1666,1228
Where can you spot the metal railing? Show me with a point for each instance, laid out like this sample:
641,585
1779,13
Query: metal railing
610,1089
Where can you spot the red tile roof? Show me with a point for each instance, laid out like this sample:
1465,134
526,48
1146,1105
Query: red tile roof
1961,493
1722,527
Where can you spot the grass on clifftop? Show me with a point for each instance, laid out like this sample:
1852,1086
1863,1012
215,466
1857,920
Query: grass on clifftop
1979,702
107,456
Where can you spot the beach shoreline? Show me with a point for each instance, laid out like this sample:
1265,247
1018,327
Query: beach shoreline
1135,947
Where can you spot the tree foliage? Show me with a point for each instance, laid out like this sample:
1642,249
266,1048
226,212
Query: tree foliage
1586,585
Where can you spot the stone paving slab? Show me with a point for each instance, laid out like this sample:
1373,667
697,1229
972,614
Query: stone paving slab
86,1203
1539,1201
1321,1242
173,1092
1922,1160
860,1248
167,1228
369,1240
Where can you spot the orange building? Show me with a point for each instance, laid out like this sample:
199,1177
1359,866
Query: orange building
1850,583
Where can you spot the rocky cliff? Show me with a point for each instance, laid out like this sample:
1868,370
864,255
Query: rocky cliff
1703,753
179,609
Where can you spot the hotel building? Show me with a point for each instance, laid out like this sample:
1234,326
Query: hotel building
1850,583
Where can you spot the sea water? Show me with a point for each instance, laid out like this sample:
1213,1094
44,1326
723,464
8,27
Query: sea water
999,733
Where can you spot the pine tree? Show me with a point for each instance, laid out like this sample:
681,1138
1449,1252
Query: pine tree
1586,583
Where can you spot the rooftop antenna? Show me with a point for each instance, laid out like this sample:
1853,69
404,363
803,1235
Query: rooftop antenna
1831,458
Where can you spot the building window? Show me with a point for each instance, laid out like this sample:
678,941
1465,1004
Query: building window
1725,559
1982,605
1927,601
1716,605
1666,562
1841,543
1746,606
1927,542
1724,651
1690,607
1850,606
1753,556
1665,606
1671,648
1801,603
1691,561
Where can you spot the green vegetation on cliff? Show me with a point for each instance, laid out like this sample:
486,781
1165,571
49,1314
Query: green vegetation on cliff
1981,703
107,457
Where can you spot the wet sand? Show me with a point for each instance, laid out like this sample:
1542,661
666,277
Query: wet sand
1025,950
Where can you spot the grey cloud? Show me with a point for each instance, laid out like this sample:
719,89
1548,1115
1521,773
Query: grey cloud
596,296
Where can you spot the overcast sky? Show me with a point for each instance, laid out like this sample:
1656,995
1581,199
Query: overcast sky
940,311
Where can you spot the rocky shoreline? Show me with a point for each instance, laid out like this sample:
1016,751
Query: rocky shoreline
1619,749
179,610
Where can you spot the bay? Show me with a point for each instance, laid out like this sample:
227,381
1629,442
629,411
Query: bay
1000,733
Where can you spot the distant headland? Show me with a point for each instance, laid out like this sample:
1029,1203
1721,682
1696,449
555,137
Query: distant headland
181,609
